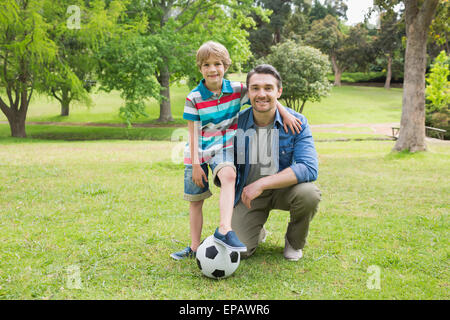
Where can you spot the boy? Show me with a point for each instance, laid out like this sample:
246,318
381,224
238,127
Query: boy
212,111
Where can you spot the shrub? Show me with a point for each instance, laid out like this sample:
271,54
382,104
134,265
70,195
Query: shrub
438,87
438,94
304,72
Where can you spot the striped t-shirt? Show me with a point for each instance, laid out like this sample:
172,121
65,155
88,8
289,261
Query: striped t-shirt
217,116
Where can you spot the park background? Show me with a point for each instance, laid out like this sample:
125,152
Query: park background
92,99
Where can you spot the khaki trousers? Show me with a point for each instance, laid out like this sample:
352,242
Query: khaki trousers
301,200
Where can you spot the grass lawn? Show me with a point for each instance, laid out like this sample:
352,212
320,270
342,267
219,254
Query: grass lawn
346,104
77,133
352,104
111,212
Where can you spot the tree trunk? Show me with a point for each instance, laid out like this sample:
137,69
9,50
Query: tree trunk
337,71
303,105
412,126
277,36
64,109
16,116
387,83
65,103
17,126
165,112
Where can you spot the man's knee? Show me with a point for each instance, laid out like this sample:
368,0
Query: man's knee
306,194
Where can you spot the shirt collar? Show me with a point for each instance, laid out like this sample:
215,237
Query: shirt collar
206,94
251,122
278,118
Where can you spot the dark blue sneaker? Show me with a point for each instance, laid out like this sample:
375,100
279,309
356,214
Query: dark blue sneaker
183,254
229,241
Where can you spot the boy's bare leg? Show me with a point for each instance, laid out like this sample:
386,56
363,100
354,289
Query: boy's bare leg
227,177
196,222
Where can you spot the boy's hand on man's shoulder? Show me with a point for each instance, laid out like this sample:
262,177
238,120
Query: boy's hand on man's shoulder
293,123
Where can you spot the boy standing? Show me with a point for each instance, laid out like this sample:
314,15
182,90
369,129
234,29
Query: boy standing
212,112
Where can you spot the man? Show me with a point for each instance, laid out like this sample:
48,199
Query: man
274,168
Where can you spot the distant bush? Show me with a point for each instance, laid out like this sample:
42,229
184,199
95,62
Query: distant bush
304,72
355,77
438,94
438,87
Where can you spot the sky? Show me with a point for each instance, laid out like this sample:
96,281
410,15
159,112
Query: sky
357,9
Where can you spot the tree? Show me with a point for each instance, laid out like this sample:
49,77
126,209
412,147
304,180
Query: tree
335,8
268,33
418,17
303,71
440,28
357,52
72,75
326,35
128,64
25,54
346,51
389,40
296,26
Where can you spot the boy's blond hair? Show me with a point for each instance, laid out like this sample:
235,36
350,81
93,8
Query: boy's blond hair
215,48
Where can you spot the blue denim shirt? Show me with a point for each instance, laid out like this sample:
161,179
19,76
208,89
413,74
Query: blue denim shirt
296,151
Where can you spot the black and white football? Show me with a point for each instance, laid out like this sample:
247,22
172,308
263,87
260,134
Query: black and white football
215,261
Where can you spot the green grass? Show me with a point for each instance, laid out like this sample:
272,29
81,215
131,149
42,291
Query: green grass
113,211
346,104
74,133
105,108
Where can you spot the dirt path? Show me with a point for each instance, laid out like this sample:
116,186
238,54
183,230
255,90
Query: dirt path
368,128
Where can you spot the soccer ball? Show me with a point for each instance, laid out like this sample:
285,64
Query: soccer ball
215,261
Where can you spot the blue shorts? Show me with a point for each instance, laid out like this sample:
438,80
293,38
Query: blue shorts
193,192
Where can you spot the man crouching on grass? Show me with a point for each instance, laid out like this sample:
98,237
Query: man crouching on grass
274,168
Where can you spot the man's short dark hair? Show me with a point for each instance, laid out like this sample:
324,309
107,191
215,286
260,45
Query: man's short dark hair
265,69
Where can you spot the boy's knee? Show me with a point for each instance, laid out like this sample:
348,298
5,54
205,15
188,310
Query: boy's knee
227,175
